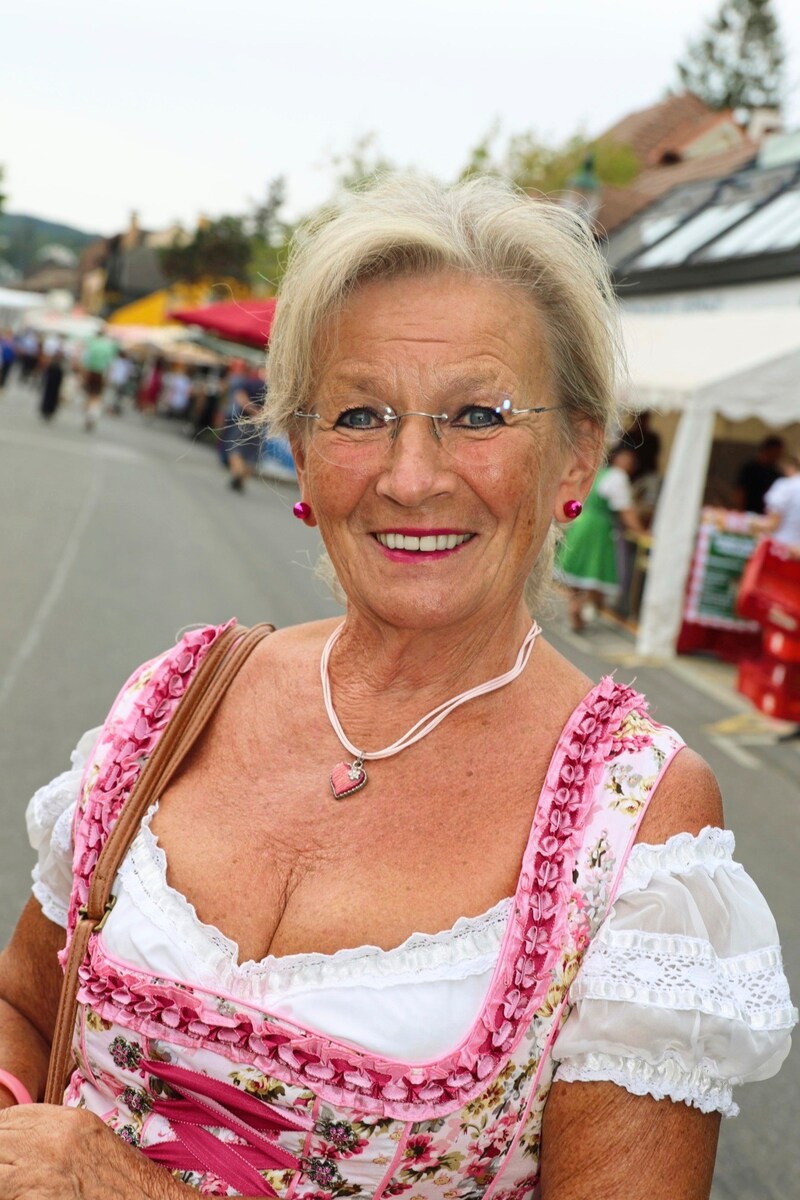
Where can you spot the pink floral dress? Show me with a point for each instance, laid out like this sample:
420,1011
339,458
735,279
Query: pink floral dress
235,1100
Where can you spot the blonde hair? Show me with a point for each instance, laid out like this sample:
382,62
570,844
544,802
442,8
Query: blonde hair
484,227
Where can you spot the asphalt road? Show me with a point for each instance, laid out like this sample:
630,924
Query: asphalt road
112,542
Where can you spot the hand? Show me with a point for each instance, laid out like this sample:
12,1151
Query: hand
48,1153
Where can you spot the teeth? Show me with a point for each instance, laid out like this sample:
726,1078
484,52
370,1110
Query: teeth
441,541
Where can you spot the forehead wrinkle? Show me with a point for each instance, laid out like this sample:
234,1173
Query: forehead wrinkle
426,378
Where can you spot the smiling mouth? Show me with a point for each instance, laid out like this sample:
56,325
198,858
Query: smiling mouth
423,544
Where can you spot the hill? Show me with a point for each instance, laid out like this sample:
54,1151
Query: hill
23,236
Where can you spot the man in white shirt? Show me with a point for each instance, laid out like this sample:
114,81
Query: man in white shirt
782,503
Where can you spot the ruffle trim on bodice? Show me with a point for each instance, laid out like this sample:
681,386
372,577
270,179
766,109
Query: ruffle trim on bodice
150,697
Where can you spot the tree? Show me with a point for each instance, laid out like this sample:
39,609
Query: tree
540,166
361,164
270,237
738,60
218,249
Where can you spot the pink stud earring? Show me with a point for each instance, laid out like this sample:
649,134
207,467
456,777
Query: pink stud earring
302,510
572,509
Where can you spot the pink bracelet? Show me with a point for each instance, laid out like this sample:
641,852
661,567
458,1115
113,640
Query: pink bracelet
16,1087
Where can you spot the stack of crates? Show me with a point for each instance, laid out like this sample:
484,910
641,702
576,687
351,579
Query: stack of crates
770,594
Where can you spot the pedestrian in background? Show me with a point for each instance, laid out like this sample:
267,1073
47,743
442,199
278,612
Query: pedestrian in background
98,355
587,557
150,390
28,349
782,504
757,475
248,395
176,396
7,356
119,374
52,379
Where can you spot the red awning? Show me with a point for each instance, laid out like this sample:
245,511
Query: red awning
245,321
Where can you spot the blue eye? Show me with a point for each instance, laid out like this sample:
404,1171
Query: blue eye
359,418
478,416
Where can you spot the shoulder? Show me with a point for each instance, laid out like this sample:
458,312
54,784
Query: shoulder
687,800
287,657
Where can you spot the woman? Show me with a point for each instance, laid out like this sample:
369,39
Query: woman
442,363
588,557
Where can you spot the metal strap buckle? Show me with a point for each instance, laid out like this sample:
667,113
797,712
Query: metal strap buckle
83,913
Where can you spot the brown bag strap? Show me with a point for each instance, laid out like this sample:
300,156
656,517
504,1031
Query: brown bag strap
211,681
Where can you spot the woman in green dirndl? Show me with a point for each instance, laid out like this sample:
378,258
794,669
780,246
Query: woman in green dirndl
587,556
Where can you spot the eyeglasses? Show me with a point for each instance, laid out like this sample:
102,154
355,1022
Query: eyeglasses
357,431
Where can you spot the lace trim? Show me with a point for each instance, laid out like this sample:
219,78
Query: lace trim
469,947
683,852
679,972
665,1080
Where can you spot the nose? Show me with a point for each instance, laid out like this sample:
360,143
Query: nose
416,466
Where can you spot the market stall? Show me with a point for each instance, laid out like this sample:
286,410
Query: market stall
738,364
245,321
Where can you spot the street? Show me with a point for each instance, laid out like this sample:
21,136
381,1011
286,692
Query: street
111,543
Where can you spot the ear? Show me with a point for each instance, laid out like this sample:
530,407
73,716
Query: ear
581,463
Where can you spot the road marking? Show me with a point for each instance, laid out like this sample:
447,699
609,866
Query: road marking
36,628
739,755
720,692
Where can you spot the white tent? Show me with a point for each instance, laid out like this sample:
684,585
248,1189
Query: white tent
14,302
738,364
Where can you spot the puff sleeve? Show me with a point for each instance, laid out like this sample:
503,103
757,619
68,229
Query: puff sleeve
681,993
49,820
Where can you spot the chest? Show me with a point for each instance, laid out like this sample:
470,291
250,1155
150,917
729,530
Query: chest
255,840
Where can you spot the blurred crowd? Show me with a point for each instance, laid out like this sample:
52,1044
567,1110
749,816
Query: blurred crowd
219,402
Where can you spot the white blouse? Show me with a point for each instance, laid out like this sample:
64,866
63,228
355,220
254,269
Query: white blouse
681,993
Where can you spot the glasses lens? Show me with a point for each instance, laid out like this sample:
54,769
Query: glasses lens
357,433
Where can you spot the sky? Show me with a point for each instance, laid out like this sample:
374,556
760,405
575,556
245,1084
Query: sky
177,109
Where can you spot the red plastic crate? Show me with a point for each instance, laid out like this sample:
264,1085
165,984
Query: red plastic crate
774,687
780,645
770,588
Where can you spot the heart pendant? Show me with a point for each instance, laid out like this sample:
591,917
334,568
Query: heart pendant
347,778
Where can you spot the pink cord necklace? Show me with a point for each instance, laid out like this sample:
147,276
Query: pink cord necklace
349,777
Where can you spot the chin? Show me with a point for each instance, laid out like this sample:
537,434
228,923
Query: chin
420,608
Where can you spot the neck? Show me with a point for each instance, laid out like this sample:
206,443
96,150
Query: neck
374,662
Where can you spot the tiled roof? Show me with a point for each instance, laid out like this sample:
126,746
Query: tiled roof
687,133
620,204
648,128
